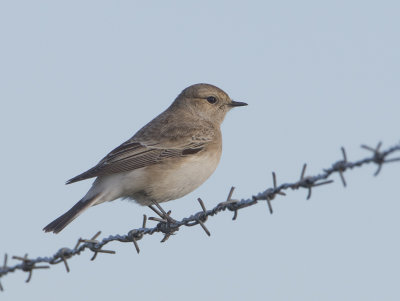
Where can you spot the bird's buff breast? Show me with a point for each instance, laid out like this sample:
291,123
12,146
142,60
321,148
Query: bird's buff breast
170,180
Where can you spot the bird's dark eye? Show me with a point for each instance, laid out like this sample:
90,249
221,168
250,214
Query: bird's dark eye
211,99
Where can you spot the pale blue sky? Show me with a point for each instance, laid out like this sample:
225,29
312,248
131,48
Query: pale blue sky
77,78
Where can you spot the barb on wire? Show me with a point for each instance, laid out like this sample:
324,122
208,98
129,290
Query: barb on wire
168,226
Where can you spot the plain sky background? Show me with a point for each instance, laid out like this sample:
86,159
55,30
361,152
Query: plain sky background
77,78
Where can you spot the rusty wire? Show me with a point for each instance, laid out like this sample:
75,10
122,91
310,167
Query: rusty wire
168,226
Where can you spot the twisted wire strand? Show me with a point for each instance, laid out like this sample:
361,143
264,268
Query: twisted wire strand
168,226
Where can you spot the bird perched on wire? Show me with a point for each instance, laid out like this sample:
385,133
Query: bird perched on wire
168,158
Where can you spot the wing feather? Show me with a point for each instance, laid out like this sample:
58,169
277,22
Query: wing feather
134,156
141,151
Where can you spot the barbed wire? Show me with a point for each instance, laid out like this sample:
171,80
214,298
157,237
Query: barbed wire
168,226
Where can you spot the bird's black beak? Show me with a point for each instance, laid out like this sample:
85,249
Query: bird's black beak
237,104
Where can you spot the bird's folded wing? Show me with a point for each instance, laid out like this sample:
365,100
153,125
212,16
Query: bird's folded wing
132,155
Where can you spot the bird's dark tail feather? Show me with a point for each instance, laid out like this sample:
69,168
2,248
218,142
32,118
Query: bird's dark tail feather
60,223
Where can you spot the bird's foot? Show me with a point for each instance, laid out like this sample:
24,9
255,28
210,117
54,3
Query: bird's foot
166,216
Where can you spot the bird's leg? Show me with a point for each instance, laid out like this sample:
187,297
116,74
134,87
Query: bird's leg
161,212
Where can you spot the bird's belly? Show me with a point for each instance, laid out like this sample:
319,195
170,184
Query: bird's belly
173,179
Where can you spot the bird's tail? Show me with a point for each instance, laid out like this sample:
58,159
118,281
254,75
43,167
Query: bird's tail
60,223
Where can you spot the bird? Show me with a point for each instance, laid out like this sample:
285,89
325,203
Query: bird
166,159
